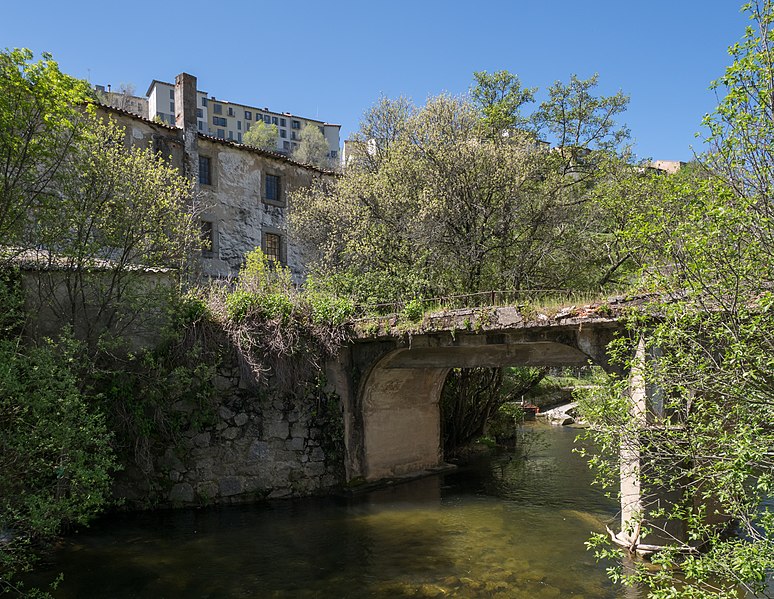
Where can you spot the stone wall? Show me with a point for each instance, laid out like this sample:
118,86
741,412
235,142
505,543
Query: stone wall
253,446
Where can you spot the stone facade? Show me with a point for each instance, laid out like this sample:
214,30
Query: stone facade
239,211
254,446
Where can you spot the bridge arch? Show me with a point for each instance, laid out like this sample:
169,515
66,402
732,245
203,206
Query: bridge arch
397,398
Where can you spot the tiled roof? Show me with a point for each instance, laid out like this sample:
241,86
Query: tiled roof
245,147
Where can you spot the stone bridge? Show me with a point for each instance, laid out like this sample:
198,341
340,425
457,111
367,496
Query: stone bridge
391,375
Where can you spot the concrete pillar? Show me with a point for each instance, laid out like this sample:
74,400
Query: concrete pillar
639,496
185,119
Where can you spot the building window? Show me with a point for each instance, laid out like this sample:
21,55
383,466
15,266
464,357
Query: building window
272,247
267,119
239,137
220,121
239,125
205,175
221,134
272,188
295,125
201,125
171,107
200,113
274,120
334,153
283,123
230,111
285,145
171,94
248,115
207,237
231,135
283,133
204,101
293,135
217,108
322,131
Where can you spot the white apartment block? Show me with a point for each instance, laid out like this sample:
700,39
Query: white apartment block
228,120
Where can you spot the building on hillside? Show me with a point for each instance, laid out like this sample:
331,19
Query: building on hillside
244,190
668,166
221,118
123,100
229,120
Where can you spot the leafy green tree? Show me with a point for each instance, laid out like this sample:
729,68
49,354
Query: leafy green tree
41,117
262,136
499,96
119,212
312,149
55,449
432,207
704,238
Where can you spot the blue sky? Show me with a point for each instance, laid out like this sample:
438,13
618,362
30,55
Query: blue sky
331,60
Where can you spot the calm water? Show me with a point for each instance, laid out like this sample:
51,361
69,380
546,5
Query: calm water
505,528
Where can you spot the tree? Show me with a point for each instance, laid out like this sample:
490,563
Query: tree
118,212
704,237
262,136
55,453
436,207
499,97
41,117
313,148
90,213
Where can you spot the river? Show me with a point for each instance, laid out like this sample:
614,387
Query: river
505,527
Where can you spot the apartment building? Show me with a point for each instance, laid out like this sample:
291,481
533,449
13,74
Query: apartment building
227,120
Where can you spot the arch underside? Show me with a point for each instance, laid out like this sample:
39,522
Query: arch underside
400,399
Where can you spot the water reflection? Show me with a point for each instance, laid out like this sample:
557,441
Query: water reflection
504,528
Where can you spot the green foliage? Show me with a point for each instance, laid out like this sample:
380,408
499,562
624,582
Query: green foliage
413,311
40,120
433,207
262,136
156,395
577,119
313,148
55,451
704,236
499,96
281,331
472,396
330,309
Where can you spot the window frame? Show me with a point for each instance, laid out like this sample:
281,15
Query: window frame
212,251
281,252
279,198
208,170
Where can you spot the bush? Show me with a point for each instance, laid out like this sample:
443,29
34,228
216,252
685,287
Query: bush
55,451
413,311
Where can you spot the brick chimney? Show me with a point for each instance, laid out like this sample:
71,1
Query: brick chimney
185,119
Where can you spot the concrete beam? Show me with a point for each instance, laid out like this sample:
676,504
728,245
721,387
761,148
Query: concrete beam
543,353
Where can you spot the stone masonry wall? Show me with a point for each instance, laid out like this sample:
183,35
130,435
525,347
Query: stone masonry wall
255,446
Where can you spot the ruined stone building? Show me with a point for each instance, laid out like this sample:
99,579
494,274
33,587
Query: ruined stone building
244,190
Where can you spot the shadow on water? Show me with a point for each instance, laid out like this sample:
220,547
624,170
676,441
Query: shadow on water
502,528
